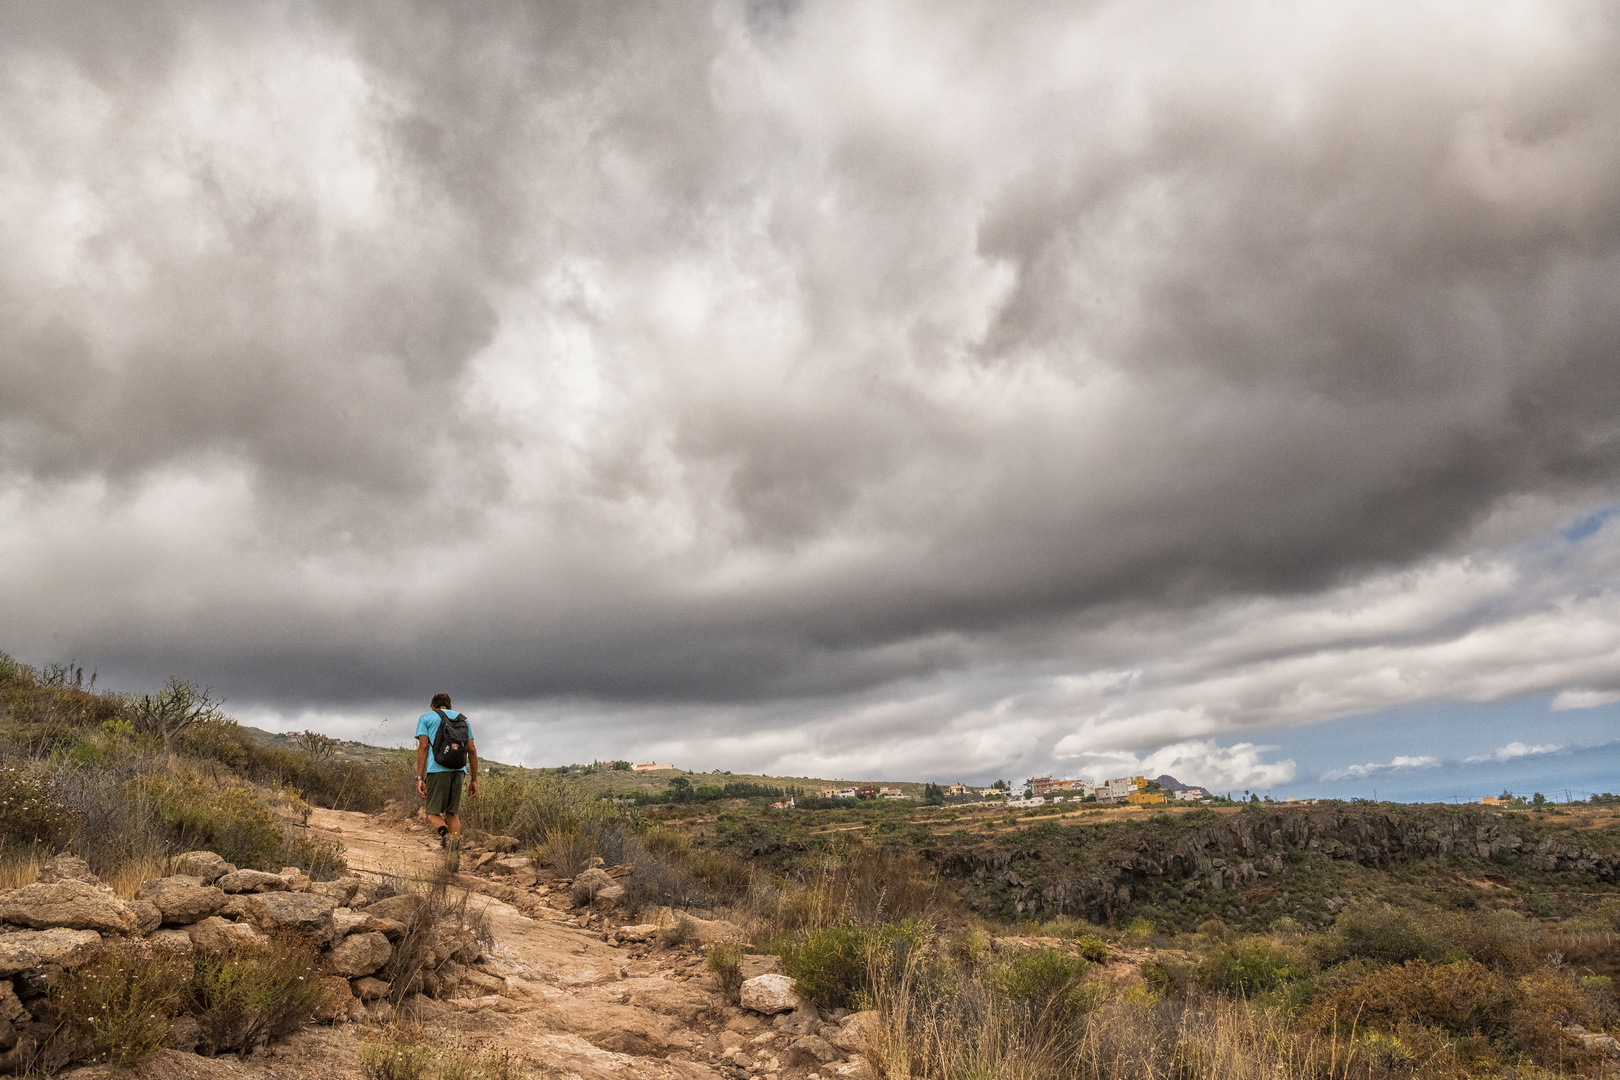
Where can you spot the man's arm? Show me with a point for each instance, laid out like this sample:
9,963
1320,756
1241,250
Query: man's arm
421,765
472,767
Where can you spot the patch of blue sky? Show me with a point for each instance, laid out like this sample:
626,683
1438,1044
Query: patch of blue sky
1447,751
1590,524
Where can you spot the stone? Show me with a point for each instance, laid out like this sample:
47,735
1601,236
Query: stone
358,954
811,1050
182,899
369,989
11,1007
296,879
173,940
72,905
336,997
147,916
26,949
515,864
770,994
756,964
400,908
301,912
388,928
345,921
8,1034
803,1020
204,865
339,890
65,867
858,1031
594,884
856,1068
223,936
252,881
638,932
680,1000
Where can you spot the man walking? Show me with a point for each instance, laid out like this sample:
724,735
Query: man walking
444,752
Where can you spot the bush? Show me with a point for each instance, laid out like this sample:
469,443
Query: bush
835,966
1046,987
117,1007
246,998
32,811
1251,966
725,964
397,1055
1461,998
1381,934
236,821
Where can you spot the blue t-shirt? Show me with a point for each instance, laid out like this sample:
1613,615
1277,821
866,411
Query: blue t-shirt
428,724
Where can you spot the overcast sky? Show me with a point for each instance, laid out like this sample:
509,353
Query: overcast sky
877,388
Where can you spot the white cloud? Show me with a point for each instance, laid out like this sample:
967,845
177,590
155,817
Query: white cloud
1513,750
1399,763
1198,761
1584,699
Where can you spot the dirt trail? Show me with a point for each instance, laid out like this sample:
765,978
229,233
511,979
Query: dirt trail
566,1003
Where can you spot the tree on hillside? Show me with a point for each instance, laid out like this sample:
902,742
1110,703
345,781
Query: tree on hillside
173,709
319,747
933,795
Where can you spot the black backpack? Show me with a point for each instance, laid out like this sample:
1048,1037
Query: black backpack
450,741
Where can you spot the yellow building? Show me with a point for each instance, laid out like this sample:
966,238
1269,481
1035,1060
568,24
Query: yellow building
1145,798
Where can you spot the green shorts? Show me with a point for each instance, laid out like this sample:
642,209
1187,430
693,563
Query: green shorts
444,792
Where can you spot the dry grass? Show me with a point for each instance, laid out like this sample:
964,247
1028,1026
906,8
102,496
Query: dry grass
18,870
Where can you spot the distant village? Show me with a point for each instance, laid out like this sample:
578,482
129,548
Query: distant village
1037,791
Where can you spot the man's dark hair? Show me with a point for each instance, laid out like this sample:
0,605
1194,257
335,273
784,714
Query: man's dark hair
440,701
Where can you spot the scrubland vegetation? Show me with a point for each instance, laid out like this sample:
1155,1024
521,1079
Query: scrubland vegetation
1332,942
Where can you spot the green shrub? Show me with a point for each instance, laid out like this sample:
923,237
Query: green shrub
835,966
236,821
1250,966
116,1008
246,998
1046,986
1381,934
32,811
396,1055
725,964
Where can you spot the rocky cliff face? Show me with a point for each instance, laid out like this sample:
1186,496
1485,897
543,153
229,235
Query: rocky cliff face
1099,872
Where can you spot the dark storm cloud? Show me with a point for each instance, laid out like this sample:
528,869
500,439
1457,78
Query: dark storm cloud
667,352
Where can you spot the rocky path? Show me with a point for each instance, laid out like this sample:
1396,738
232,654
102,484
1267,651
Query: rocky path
565,1000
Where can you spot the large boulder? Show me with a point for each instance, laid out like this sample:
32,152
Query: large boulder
252,881
65,867
369,989
358,954
594,886
204,865
340,890
73,905
147,915
336,997
754,965
400,908
770,994
181,898
304,913
218,935
174,940
858,1031
810,1050
27,949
